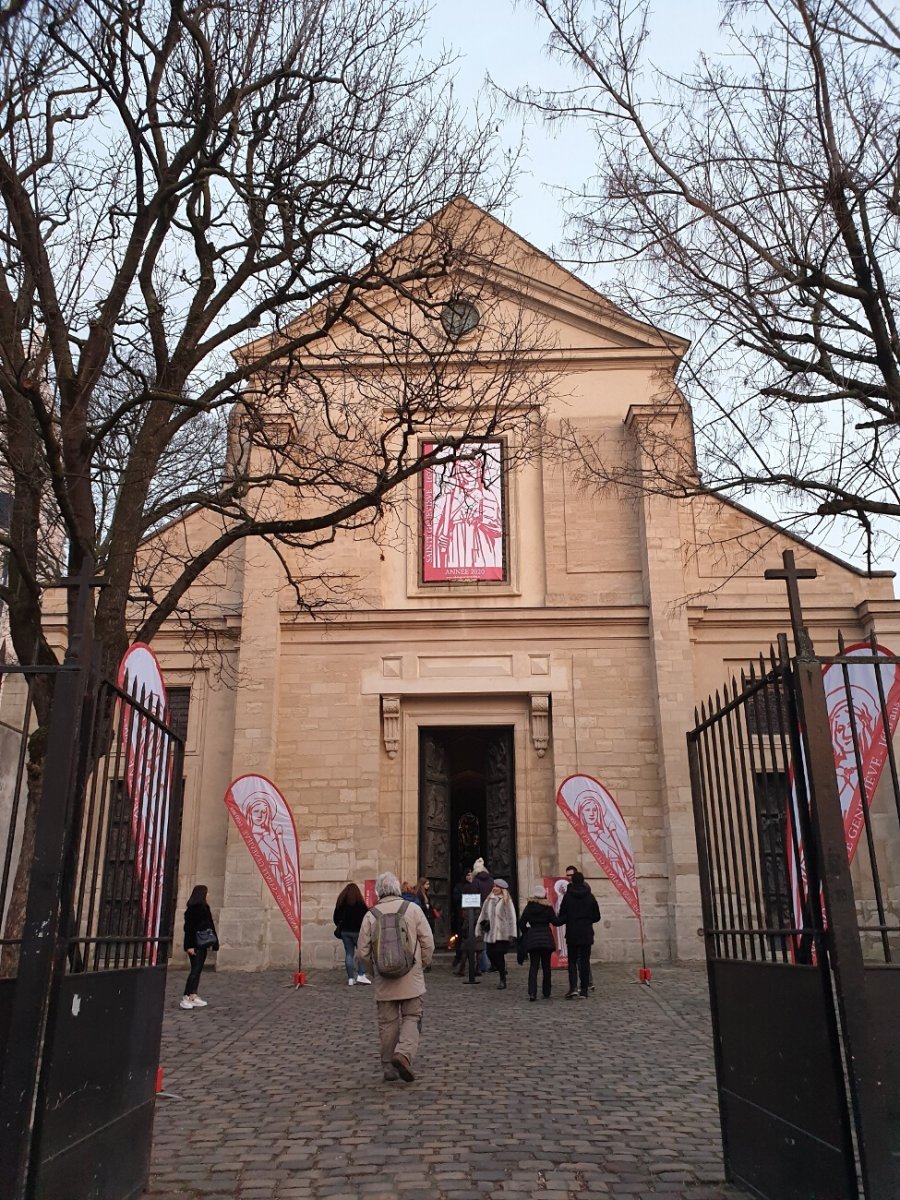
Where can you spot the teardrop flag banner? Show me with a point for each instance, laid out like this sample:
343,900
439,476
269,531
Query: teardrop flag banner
860,691
854,704
597,819
146,751
266,824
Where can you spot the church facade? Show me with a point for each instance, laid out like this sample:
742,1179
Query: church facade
518,628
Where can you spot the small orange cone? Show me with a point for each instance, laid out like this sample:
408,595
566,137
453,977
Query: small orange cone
299,978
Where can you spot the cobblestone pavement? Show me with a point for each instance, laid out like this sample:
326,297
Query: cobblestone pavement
280,1093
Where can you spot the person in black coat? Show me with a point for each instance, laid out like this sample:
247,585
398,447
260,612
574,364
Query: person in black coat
484,881
536,939
570,871
198,926
579,912
469,934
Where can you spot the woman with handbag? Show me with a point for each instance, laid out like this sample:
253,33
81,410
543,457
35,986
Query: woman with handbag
199,938
423,896
348,918
536,940
497,921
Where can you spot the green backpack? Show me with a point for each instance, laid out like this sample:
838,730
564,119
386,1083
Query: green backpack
394,948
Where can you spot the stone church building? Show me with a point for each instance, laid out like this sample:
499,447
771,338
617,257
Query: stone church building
570,630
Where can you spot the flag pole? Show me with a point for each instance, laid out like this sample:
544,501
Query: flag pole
299,976
644,972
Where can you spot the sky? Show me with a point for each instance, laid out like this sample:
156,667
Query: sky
505,39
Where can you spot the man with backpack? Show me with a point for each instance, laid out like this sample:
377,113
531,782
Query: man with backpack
395,945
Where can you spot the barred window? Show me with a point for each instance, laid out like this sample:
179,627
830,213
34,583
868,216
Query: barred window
767,711
179,709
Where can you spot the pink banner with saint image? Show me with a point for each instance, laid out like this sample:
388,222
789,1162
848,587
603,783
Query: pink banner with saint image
555,886
266,824
598,821
145,750
860,691
462,518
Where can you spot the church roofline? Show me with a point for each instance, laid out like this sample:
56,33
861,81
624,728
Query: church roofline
616,317
795,537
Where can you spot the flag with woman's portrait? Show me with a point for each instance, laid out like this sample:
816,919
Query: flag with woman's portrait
266,824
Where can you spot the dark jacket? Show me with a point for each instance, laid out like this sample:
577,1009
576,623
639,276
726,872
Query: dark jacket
484,881
535,925
427,908
470,889
196,917
579,912
349,917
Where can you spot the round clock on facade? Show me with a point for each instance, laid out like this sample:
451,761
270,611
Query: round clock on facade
459,317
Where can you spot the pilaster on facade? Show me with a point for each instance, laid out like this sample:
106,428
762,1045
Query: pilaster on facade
672,659
248,911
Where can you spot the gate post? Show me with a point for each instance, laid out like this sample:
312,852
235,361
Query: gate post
842,936
38,953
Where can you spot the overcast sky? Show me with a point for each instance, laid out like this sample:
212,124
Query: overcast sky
505,39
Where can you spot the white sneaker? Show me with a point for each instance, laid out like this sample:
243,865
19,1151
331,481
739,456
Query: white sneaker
185,1003
350,982
197,1002
363,979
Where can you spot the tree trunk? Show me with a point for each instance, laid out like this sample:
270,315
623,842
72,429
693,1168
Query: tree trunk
15,913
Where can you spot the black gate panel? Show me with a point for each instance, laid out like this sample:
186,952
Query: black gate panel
81,1020
798,884
883,997
100,1087
7,987
784,1115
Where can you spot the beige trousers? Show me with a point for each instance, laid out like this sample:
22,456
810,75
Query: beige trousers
399,1024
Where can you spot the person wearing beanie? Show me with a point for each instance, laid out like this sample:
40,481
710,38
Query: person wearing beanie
579,912
536,939
484,881
497,921
570,871
482,876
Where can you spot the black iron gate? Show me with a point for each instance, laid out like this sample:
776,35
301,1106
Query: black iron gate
797,814
81,1000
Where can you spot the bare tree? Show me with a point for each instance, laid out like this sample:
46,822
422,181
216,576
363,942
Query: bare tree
753,205
175,179
178,177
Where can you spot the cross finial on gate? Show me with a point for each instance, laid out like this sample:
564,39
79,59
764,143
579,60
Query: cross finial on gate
791,573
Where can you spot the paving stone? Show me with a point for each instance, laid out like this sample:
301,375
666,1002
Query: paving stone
282,1096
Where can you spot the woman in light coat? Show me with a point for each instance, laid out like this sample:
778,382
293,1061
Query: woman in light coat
497,921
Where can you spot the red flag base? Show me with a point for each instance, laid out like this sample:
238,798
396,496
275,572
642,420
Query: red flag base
299,978
643,974
159,1080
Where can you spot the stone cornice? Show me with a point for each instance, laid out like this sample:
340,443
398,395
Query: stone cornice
525,624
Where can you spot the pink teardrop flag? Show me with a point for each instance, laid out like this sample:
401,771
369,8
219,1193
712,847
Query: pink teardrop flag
266,824
597,819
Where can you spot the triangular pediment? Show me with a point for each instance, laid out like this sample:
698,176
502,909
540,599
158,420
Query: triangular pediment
522,279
